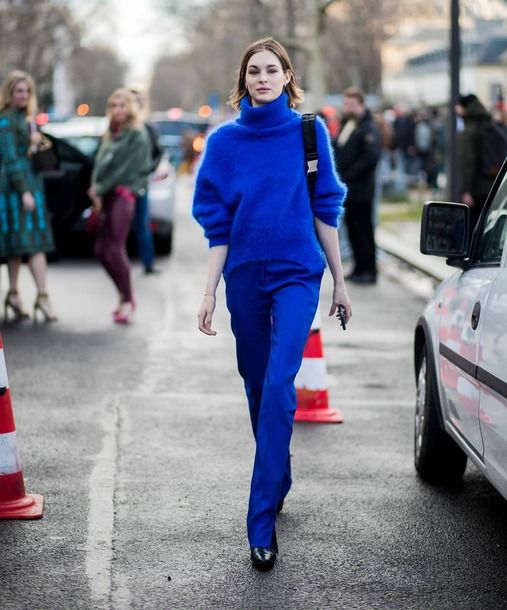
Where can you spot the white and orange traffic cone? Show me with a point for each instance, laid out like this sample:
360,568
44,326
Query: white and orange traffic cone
15,503
311,382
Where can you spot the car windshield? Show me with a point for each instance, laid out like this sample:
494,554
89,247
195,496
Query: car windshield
88,145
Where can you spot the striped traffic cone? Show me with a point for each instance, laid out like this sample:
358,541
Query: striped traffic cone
14,502
311,382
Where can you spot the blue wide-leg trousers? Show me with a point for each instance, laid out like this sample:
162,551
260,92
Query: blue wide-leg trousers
272,305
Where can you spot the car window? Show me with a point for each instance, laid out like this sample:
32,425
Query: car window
88,145
178,128
493,235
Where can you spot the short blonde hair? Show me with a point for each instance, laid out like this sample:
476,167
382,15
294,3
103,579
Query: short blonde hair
133,119
7,90
265,44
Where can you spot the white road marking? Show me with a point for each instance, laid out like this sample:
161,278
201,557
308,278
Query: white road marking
99,545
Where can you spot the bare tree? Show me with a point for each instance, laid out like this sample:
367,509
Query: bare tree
34,35
97,71
336,43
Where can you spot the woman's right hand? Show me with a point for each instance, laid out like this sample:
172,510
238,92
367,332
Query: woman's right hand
97,204
28,201
205,315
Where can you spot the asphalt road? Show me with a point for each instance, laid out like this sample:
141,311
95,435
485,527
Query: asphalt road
139,440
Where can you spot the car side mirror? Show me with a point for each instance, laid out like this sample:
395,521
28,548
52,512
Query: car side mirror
445,231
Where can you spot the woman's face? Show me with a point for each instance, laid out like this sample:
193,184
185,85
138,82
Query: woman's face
119,110
20,95
265,78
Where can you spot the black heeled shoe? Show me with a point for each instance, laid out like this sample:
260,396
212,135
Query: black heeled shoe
279,507
43,305
262,558
13,302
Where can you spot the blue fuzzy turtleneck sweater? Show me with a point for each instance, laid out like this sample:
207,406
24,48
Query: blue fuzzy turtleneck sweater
251,190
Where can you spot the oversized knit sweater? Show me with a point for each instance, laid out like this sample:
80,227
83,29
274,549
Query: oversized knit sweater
251,192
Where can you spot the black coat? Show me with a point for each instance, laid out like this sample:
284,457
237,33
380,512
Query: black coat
357,160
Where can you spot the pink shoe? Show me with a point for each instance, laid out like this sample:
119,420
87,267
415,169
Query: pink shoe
124,313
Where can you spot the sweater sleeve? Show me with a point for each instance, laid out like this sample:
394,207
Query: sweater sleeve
9,159
209,207
330,191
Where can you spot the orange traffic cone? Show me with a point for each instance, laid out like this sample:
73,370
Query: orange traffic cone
14,502
311,382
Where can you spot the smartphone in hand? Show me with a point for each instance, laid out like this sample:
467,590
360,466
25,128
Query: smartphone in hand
340,314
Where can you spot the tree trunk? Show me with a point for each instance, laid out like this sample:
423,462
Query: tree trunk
316,71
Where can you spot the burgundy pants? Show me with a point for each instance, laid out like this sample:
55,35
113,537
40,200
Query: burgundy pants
110,244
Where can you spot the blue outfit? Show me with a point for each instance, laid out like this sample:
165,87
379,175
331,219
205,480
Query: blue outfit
251,194
144,235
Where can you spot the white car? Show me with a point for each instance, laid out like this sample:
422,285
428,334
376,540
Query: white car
461,345
84,133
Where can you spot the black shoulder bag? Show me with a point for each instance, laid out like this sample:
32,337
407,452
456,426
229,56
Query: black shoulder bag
311,156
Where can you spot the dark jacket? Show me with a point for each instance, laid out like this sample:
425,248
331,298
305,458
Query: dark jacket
357,159
155,148
471,179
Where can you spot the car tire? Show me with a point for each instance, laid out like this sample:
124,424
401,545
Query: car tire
438,459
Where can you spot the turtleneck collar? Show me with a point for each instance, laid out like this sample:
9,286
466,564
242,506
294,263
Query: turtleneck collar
268,115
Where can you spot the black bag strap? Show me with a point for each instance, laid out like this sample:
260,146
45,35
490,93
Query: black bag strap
311,156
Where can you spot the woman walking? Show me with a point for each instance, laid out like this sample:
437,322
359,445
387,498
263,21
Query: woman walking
25,229
264,231
120,175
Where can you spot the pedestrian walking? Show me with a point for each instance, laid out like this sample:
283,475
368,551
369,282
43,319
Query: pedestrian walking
25,229
482,147
264,229
120,174
358,150
144,234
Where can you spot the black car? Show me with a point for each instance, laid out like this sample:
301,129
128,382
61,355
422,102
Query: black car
76,143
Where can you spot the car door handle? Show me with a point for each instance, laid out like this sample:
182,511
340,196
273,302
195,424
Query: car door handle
476,314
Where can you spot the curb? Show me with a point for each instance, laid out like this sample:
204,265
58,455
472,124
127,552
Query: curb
429,265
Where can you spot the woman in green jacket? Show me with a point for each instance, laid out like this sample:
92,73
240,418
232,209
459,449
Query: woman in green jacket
25,229
119,175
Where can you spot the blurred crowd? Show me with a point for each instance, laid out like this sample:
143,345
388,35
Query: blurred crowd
385,153
414,145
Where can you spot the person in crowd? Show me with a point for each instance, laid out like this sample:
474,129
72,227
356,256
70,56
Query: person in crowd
25,229
264,232
438,129
403,144
144,235
358,150
424,143
120,175
475,183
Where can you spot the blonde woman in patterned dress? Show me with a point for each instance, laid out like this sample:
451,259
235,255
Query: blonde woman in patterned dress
25,229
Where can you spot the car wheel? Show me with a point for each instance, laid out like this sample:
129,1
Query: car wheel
438,459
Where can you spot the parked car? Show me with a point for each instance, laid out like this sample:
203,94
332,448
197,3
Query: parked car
181,134
460,345
76,143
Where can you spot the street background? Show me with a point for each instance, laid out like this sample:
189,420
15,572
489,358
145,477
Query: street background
138,436
139,439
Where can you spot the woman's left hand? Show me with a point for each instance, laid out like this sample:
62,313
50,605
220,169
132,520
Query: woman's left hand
341,297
